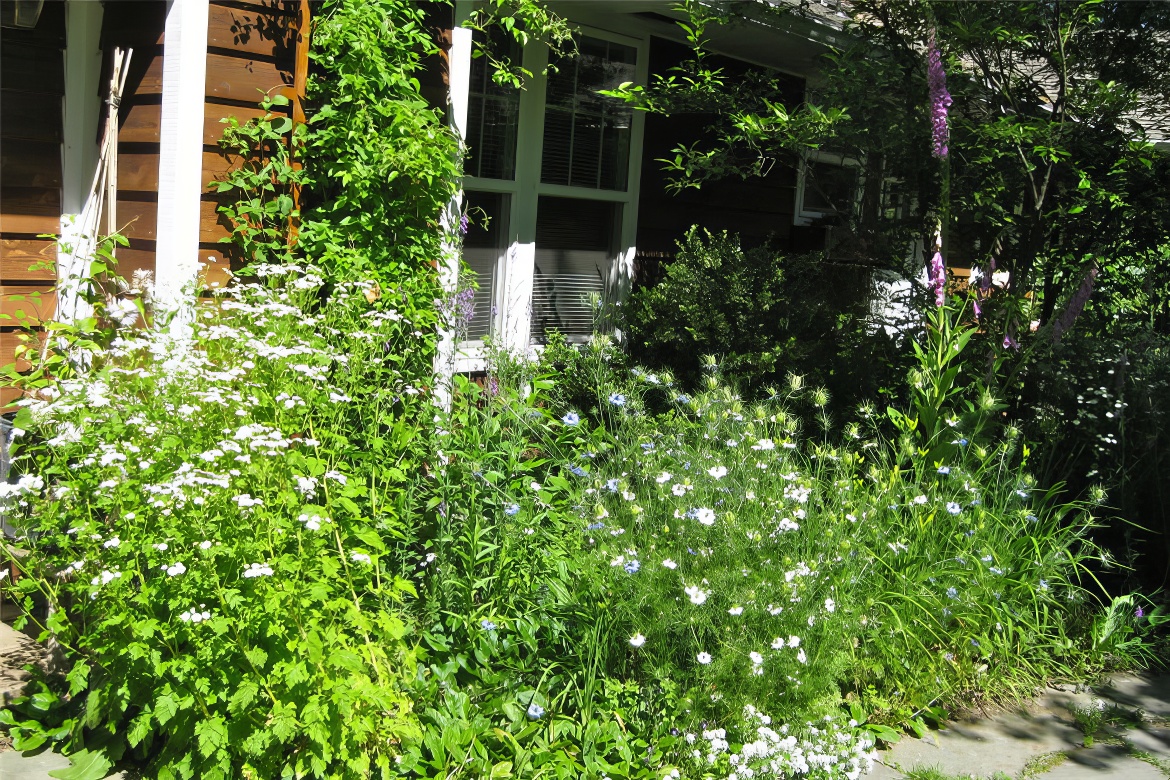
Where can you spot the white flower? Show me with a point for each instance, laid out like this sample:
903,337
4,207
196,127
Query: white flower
336,476
680,489
257,570
205,545
175,569
637,640
764,444
830,605
756,658
735,611
535,486
306,485
358,557
778,643
920,499
705,516
663,478
954,508
668,563
703,658
245,501
800,656
696,594
719,472
112,543
794,641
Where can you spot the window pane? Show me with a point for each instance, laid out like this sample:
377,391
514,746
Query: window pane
575,242
493,114
483,246
586,135
829,188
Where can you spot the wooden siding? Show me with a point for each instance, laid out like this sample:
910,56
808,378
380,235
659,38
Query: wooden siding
32,86
251,52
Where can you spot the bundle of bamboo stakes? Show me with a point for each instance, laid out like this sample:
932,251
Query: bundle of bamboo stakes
79,245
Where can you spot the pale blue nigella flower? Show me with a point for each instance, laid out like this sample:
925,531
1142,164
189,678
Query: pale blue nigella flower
953,508
535,711
487,625
632,567
512,509
571,419
617,399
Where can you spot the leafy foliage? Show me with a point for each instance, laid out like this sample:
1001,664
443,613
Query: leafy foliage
764,315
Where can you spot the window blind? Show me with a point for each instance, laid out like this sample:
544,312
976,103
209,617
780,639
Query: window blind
575,242
493,115
587,135
483,247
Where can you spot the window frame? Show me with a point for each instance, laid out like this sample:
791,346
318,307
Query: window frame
515,271
809,216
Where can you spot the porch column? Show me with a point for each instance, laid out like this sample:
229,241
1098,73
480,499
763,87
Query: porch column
458,89
180,165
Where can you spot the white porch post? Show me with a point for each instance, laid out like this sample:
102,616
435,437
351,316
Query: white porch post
83,106
180,164
458,89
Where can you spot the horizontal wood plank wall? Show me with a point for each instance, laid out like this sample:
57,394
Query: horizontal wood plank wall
137,25
32,86
251,50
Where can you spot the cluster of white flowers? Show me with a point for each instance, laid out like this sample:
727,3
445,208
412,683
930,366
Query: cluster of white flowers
829,750
257,570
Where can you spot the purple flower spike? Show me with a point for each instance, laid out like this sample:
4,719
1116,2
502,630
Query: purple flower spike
463,224
940,99
938,279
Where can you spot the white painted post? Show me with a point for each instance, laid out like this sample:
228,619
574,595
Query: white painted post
180,164
83,106
458,89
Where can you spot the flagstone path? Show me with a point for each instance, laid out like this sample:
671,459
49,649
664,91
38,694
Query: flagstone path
1039,741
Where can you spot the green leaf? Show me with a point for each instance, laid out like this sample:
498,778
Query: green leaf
212,735
84,765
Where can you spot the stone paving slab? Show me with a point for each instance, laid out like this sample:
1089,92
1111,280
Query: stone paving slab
1009,740
16,650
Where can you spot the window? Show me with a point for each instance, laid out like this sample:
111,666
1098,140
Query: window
587,135
483,248
575,246
493,114
828,189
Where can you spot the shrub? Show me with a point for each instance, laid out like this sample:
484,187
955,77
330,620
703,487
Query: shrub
209,525
763,315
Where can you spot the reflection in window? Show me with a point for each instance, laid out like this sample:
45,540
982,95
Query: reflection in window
575,242
483,246
829,188
586,135
492,118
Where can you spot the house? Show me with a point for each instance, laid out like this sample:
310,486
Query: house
563,190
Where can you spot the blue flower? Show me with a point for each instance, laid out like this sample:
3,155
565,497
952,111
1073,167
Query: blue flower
617,399
944,470
647,446
595,526
512,509
1032,519
952,593
953,508
487,625
580,472
571,419
963,442
611,485
535,711
682,399
632,567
